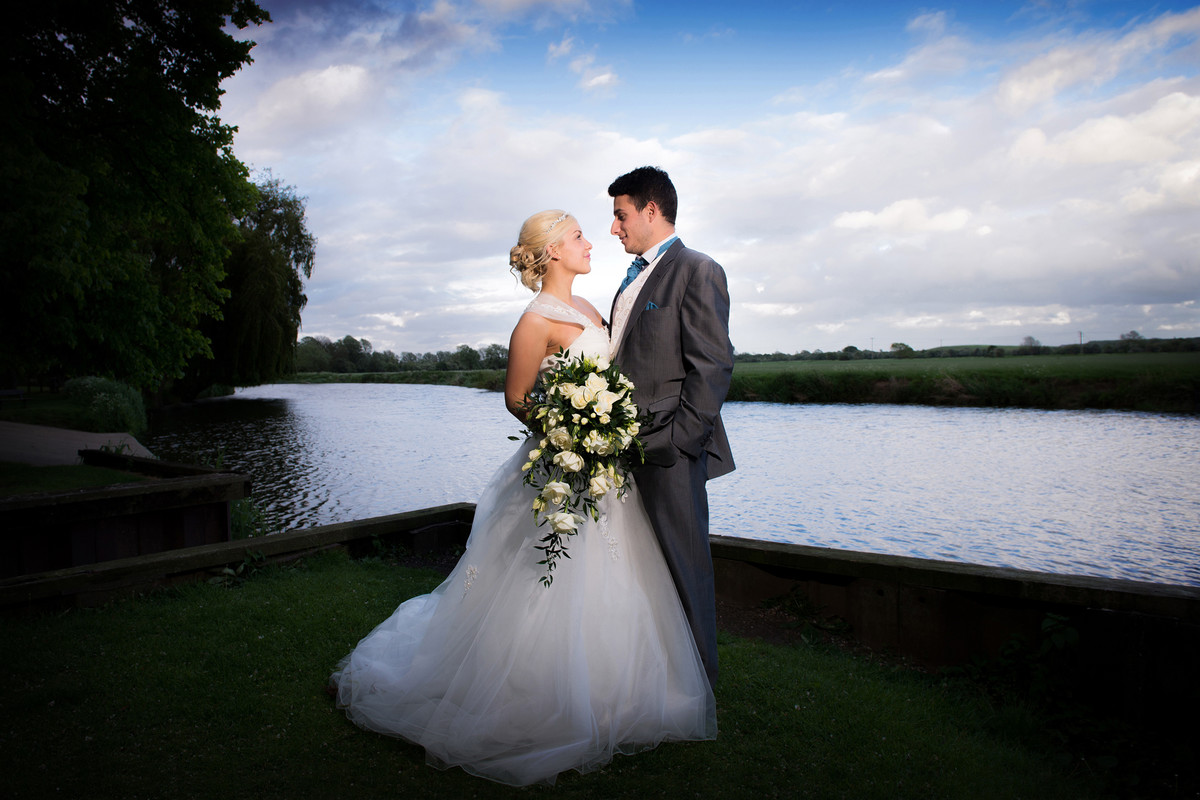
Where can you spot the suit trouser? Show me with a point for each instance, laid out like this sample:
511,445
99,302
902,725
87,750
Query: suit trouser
676,500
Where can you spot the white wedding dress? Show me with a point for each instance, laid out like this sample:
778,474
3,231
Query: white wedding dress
517,682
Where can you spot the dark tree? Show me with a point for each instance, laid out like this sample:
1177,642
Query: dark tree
254,340
312,355
495,356
119,183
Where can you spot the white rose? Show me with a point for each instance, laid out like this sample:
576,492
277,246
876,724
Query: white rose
605,400
555,492
592,441
570,462
563,521
594,385
580,399
602,363
599,485
596,442
560,438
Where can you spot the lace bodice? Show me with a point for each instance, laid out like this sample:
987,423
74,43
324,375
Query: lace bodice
592,341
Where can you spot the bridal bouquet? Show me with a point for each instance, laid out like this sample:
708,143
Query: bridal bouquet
585,409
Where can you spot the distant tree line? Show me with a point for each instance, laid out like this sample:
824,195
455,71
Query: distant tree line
350,355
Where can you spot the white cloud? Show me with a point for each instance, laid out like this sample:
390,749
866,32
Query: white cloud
315,97
1178,185
933,22
907,216
1161,132
560,49
1091,60
910,204
591,75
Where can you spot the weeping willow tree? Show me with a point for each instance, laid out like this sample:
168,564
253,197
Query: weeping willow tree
254,339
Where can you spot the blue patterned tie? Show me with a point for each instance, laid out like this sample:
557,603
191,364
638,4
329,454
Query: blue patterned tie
634,270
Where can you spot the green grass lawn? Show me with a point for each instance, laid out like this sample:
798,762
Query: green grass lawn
217,690
1091,367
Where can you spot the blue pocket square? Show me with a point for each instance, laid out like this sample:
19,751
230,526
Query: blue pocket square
650,306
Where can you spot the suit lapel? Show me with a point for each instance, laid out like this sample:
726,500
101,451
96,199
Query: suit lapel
656,277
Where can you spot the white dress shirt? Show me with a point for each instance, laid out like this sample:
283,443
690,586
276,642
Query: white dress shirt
627,297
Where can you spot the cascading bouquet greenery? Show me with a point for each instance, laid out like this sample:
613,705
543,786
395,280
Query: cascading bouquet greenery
584,408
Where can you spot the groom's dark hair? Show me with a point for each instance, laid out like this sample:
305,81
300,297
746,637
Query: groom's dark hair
645,184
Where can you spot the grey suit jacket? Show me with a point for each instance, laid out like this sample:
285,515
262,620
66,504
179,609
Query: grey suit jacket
677,352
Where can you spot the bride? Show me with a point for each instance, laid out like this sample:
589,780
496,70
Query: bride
512,680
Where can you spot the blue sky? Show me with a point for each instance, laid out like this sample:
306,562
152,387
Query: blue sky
867,173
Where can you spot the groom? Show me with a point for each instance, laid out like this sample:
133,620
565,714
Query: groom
670,332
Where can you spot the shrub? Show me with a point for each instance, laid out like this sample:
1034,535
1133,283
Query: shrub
107,405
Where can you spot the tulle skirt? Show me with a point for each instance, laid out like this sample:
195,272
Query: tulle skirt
517,682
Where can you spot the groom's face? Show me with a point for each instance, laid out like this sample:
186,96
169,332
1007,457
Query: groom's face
631,226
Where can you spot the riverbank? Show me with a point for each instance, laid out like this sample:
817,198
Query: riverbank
1155,382
218,689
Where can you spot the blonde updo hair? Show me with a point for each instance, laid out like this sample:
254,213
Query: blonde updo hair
530,256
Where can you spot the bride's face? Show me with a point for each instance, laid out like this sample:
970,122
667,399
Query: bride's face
574,252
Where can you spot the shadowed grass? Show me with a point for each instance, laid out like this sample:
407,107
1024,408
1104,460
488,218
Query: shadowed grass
218,691
25,479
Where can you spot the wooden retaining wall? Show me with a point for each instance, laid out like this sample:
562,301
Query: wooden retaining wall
177,506
92,584
1133,645
1137,644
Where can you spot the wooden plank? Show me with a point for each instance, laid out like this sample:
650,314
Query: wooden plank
155,569
799,562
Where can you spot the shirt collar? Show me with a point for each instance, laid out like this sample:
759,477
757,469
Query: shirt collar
658,249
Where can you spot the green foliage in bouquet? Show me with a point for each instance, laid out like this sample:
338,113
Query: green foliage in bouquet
583,407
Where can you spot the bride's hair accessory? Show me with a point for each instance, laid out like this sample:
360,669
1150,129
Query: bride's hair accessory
550,227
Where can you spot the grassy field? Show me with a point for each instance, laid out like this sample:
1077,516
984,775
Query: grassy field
217,690
1090,367
1164,382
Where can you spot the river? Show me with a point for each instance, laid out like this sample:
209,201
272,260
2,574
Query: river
1113,494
